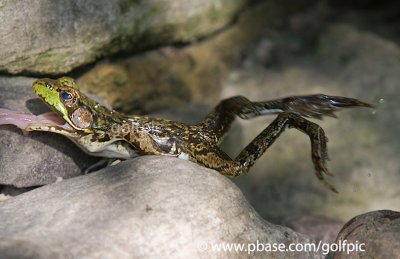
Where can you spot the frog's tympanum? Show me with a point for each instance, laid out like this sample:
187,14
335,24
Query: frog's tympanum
103,132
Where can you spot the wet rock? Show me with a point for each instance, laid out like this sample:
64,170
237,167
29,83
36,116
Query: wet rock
318,228
151,206
54,37
34,158
376,232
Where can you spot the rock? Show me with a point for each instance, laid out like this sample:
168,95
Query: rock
375,232
175,76
34,158
318,228
53,37
9,191
152,206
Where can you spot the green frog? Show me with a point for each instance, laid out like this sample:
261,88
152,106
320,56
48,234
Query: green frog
106,133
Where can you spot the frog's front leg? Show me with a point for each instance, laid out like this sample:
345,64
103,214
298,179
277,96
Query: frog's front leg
211,156
101,144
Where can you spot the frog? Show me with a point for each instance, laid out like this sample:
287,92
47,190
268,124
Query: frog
104,132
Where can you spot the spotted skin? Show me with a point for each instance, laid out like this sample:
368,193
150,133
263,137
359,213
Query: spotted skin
103,132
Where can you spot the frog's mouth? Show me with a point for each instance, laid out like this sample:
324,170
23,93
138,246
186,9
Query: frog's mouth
28,122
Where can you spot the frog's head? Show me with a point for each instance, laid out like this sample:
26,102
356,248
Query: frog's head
64,98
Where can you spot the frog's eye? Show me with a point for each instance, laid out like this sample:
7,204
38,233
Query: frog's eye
67,98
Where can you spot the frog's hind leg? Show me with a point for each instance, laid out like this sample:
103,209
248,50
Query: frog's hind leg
319,152
219,161
217,123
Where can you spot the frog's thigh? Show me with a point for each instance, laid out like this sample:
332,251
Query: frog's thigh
214,158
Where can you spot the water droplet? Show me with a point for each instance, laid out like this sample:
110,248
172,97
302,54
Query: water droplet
381,100
373,112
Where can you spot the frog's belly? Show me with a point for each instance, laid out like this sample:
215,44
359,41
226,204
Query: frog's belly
118,149
183,156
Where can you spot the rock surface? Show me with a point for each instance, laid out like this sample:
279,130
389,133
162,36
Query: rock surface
174,76
379,231
318,228
151,206
53,37
34,158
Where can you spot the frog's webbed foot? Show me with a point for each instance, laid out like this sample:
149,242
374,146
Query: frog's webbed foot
319,153
314,106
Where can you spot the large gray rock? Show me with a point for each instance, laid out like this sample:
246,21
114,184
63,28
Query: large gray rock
149,207
54,37
34,158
